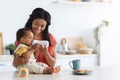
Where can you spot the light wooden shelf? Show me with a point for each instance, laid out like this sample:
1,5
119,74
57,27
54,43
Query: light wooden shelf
79,2
59,55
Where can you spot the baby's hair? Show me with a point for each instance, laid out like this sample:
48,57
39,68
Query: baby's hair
21,32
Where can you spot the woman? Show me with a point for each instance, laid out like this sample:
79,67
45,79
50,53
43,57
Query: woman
39,22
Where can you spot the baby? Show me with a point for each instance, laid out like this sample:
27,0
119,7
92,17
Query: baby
24,37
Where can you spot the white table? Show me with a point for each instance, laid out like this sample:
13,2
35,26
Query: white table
99,73
8,72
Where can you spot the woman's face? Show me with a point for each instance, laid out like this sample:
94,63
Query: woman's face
38,25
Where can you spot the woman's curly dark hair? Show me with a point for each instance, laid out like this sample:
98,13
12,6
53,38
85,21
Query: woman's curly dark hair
42,14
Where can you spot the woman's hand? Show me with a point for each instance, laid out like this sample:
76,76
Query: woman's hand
43,49
51,59
18,61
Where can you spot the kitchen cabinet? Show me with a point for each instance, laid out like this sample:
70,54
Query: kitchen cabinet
87,60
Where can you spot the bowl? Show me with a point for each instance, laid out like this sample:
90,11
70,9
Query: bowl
85,50
70,52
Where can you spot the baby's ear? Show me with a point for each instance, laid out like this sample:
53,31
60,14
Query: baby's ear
22,40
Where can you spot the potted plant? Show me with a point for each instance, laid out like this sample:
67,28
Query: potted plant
97,33
10,47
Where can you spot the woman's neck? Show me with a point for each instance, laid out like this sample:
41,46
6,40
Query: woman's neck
38,36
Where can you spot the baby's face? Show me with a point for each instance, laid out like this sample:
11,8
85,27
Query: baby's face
28,38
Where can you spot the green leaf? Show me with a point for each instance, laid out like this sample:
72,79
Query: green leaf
10,47
104,23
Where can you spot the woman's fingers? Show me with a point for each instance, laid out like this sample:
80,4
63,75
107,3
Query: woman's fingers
43,48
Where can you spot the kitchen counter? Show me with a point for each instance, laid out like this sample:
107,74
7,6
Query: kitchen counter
6,57
10,57
87,60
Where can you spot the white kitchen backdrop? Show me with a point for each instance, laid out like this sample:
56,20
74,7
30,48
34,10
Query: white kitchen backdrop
67,19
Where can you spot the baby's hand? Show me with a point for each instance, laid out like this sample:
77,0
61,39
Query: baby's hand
35,47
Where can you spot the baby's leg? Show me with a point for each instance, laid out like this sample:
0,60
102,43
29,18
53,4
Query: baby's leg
36,67
55,69
52,70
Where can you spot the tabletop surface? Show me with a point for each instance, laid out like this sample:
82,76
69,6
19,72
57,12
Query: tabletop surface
7,71
98,73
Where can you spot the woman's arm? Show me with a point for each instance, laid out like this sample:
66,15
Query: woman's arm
51,59
19,60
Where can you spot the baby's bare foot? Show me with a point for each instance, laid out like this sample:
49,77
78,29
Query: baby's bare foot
55,69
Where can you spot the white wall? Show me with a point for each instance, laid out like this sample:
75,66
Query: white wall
110,47
110,41
67,19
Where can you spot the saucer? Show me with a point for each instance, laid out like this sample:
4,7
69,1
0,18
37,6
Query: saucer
82,72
